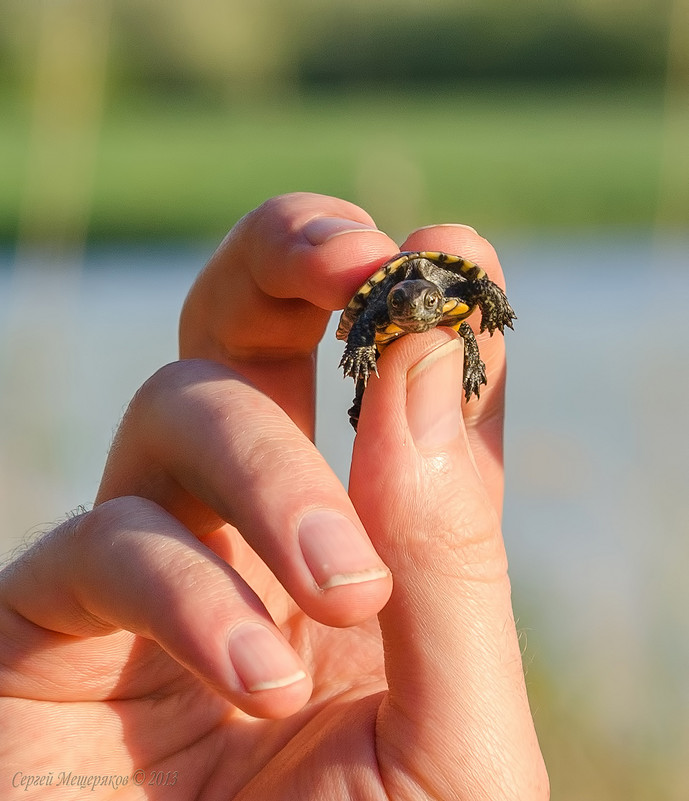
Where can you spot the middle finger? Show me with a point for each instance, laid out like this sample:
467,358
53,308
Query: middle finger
208,447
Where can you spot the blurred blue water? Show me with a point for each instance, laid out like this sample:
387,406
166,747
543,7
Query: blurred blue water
597,447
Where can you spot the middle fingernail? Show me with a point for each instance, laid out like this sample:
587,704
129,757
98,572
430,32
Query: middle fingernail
336,551
321,229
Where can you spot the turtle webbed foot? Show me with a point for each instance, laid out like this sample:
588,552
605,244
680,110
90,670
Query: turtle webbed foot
496,312
359,362
474,376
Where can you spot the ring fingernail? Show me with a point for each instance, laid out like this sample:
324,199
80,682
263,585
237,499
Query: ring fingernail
336,552
261,660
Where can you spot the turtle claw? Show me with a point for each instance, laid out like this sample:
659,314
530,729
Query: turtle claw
359,362
474,376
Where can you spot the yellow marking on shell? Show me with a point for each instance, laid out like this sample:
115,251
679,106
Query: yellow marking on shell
393,264
376,278
343,329
436,255
387,335
384,339
464,266
456,308
347,320
371,281
358,301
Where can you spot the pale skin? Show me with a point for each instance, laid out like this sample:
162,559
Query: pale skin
371,651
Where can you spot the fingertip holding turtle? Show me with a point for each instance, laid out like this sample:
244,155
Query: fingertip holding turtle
411,293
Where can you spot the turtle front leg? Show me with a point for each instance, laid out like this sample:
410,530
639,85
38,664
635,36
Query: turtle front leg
496,311
359,357
474,368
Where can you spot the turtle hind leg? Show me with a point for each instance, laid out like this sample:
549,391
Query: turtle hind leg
474,368
355,409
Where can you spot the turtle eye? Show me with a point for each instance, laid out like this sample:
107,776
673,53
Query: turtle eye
431,300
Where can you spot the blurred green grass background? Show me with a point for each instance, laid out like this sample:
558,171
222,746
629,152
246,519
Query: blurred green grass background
580,158
128,121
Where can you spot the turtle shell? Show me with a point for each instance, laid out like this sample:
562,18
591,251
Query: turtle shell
399,264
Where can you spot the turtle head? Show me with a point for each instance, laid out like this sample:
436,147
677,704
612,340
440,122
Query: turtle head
415,305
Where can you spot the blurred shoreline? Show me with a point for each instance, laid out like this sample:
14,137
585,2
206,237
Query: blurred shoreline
597,452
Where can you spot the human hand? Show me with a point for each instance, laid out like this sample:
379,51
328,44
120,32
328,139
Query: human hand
148,635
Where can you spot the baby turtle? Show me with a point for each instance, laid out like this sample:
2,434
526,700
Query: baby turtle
411,293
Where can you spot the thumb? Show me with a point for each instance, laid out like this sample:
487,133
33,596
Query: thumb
456,718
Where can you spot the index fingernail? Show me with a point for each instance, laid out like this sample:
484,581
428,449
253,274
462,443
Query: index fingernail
336,552
320,229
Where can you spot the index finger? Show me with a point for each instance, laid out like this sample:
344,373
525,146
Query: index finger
484,417
262,303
